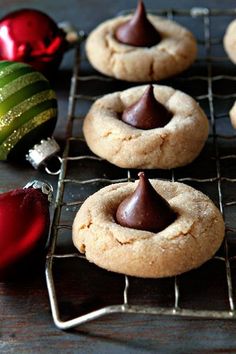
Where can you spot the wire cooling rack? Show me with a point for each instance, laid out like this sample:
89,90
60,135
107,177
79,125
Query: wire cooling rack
208,292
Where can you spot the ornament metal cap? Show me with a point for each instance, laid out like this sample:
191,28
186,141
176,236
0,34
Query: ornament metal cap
40,153
45,187
72,35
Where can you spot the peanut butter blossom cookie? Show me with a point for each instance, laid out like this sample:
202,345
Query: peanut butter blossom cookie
232,114
148,228
146,127
28,108
140,47
230,41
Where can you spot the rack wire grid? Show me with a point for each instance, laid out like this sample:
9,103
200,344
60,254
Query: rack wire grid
208,292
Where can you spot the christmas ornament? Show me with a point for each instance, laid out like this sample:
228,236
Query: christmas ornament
28,113
32,37
24,222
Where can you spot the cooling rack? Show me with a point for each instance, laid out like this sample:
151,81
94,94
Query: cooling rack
208,292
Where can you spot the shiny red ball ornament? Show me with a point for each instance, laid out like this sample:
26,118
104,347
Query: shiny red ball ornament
24,223
32,37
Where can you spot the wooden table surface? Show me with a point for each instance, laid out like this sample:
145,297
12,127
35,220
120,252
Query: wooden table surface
26,324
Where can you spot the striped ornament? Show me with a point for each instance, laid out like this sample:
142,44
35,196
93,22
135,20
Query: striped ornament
26,102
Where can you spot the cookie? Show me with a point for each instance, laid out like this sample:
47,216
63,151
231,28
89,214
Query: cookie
175,52
232,115
176,144
229,41
189,241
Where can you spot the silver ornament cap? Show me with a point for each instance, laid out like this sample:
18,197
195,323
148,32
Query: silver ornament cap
45,187
72,36
40,153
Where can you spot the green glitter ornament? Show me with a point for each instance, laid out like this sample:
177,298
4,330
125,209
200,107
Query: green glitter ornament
28,110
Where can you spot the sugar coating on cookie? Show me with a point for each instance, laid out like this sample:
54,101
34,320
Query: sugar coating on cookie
192,239
176,144
229,41
232,115
175,52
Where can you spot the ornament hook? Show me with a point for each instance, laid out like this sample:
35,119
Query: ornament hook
54,173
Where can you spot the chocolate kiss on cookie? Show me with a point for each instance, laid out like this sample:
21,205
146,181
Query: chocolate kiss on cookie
138,32
147,112
145,209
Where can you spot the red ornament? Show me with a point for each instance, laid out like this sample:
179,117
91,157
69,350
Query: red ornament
24,222
32,37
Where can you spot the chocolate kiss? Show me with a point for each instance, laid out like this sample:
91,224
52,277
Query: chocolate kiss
138,31
145,209
147,113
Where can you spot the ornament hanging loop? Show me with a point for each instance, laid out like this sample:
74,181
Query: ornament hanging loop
57,172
